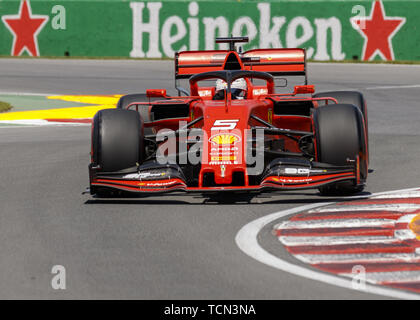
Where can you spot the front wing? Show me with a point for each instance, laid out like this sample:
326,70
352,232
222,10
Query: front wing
286,174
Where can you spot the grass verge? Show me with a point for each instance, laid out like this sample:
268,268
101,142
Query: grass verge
4,106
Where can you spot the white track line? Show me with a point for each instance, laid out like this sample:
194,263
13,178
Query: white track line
40,123
411,194
291,241
398,207
247,241
29,94
406,218
390,277
409,86
358,258
334,223
404,234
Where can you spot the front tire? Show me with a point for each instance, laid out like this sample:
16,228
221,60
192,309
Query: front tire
340,136
117,141
347,97
355,98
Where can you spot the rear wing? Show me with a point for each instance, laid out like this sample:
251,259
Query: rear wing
189,63
277,62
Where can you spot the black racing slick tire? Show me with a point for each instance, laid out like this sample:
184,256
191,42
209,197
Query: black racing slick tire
347,97
350,97
340,136
126,100
117,139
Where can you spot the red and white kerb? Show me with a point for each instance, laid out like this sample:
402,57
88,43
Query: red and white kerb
381,234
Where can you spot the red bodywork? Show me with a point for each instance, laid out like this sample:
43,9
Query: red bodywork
226,125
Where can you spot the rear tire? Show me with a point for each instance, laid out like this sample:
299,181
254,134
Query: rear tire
340,136
126,100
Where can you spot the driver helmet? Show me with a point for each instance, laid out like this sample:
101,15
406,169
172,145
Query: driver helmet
238,87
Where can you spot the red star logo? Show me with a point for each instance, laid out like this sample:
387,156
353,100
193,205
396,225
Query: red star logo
25,28
377,30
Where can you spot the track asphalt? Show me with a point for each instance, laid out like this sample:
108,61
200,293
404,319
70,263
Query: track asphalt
164,247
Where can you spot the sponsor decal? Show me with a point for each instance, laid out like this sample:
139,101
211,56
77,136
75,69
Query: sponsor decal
143,175
220,162
377,31
225,124
25,28
297,181
175,29
204,93
223,158
156,184
329,30
224,139
223,149
415,226
270,116
223,170
301,171
259,92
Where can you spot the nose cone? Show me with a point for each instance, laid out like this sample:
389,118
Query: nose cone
225,142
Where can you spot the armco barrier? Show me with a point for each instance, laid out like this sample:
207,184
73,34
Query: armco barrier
330,30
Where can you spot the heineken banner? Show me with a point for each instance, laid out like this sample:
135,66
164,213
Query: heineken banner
329,30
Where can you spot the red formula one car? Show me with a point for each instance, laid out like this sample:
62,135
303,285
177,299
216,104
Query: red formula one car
231,131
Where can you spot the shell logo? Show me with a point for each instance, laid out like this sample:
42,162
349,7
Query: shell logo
415,226
224,139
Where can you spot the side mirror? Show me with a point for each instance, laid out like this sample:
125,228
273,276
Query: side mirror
156,93
304,89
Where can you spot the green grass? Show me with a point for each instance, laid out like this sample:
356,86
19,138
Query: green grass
4,106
